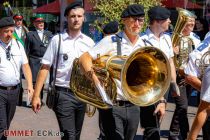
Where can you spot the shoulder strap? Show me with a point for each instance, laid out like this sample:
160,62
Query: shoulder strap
56,64
119,39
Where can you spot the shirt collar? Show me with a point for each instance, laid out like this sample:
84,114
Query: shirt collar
40,31
67,36
151,34
18,28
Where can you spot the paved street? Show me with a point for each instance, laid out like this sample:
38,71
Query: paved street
43,126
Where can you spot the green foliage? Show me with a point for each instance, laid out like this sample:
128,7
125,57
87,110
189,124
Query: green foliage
111,9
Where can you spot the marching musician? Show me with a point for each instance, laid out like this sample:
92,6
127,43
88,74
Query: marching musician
193,74
36,44
69,110
156,36
189,41
120,122
12,59
203,109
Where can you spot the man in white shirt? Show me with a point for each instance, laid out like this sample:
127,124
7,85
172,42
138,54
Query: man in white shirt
69,110
12,59
189,41
120,122
156,36
193,74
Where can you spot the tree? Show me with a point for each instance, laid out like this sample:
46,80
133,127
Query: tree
111,10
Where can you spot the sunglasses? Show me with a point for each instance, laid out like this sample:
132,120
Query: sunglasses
8,50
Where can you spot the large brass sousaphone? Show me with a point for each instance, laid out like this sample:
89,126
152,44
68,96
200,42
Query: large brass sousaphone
145,76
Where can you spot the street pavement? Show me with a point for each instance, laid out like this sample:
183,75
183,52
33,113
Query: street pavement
43,125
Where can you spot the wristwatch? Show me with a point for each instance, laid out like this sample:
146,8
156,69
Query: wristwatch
162,101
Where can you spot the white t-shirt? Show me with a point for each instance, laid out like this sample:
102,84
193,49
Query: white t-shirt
205,87
70,49
10,69
108,46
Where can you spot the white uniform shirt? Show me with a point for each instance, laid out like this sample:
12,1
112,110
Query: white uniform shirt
192,65
10,69
108,46
73,48
164,43
205,87
18,30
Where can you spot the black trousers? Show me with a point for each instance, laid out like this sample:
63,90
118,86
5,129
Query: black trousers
8,102
150,122
119,122
179,127
70,114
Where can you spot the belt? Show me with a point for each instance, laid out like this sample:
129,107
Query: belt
9,87
123,103
63,89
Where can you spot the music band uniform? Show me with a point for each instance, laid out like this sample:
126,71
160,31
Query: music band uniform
68,109
12,59
193,69
180,125
36,44
148,120
120,122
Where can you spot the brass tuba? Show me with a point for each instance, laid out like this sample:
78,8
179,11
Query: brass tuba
145,77
178,39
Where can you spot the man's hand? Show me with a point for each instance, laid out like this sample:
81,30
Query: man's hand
36,104
160,110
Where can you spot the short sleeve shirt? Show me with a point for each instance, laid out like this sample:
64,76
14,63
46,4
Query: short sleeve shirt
205,87
70,49
163,43
192,67
10,69
108,46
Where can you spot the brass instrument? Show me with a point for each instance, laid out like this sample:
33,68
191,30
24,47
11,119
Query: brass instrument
203,62
183,17
145,77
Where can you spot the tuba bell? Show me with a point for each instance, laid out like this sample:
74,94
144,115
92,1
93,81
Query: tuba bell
145,77
179,40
